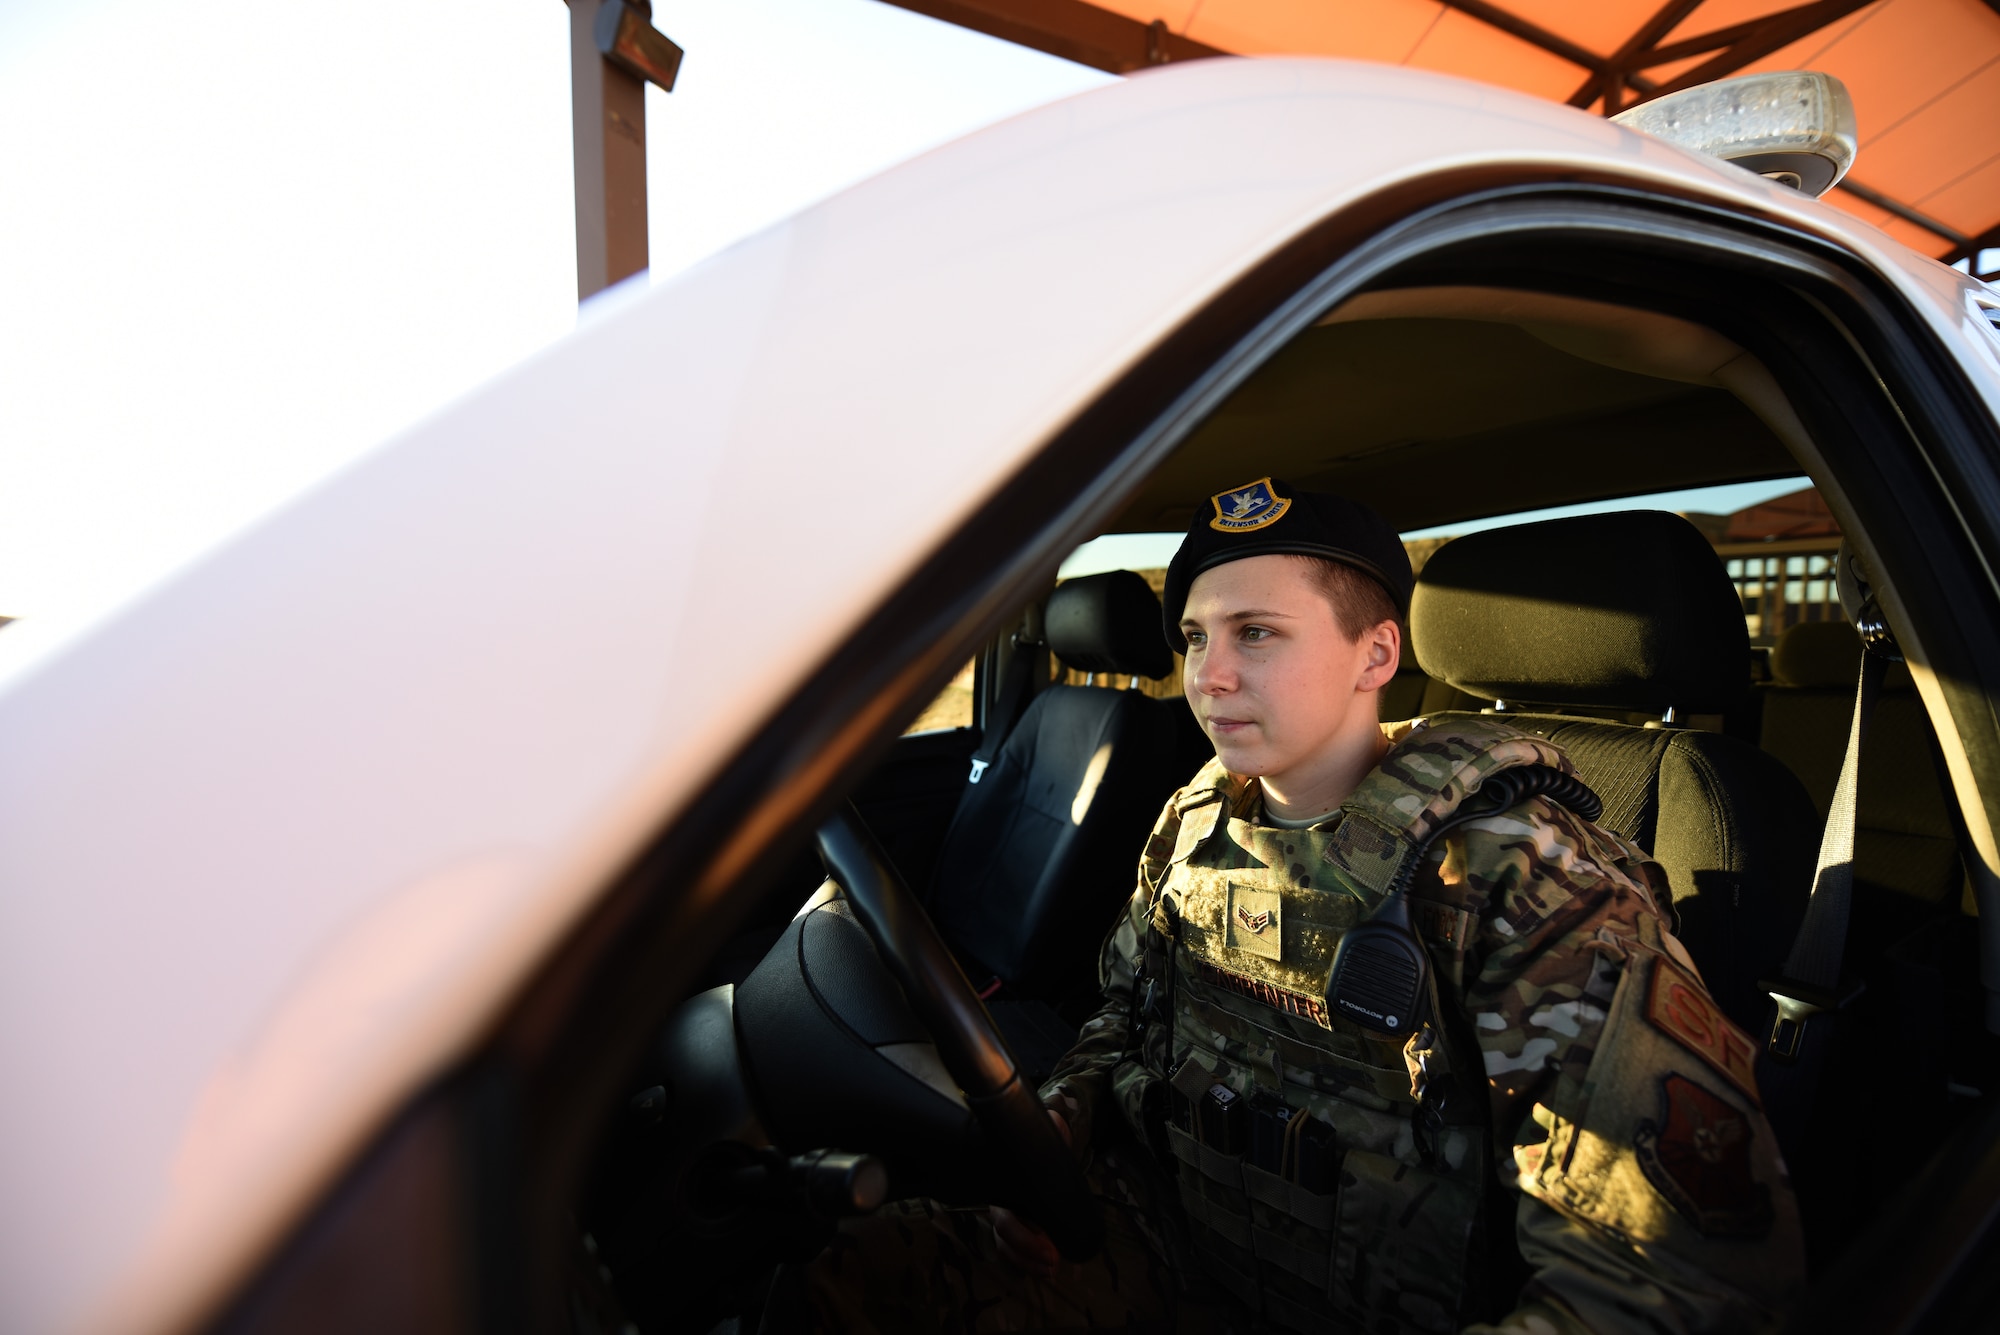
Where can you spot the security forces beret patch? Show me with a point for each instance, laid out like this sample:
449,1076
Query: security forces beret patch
1267,517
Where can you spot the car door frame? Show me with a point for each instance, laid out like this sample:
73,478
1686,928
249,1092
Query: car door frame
486,1160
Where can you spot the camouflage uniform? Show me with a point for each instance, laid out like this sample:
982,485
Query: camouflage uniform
1645,1183
1621,1126
921,1266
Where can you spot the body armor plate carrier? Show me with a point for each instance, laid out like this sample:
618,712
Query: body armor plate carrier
1335,1177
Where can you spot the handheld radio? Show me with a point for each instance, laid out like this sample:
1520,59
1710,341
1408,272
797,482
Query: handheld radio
1380,977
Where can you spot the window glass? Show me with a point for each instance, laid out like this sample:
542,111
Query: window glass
1122,551
1707,507
952,708
1776,539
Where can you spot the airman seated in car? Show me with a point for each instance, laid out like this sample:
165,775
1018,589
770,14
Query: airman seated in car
1282,1150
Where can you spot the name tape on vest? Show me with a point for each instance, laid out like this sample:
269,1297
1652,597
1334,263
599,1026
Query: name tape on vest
1292,1003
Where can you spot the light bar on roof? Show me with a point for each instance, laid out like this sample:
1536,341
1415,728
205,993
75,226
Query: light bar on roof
1795,126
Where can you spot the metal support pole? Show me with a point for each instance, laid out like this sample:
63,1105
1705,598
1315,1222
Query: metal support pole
613,52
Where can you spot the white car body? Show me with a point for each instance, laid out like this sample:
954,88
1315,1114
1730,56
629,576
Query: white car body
283,839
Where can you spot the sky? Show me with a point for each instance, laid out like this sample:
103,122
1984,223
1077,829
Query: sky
242,243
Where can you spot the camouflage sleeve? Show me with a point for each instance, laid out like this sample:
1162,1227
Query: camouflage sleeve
1097,1065
1625,1106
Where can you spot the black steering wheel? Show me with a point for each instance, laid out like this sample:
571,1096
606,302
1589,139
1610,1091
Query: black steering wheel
968,1042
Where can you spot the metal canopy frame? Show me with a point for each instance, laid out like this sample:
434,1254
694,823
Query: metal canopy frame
1079,31
1083,32
615,52
1735,46
1071,29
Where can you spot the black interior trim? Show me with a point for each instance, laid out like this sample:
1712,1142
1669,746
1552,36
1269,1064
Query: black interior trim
1927,1266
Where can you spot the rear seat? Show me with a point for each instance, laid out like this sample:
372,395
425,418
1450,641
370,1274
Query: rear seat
1905,854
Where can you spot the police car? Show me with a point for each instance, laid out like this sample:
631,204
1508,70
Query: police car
403,919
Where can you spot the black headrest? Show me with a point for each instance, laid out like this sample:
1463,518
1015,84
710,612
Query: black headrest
1630,610
1107,623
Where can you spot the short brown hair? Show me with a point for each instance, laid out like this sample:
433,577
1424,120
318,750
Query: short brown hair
1360,603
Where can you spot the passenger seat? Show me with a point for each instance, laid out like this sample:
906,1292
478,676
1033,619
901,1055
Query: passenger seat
1632,611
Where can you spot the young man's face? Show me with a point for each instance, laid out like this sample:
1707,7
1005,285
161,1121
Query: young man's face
1271,676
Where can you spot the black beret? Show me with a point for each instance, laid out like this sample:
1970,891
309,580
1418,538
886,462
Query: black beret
1267,518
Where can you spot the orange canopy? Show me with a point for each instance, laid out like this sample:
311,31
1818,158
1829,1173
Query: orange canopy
1924,74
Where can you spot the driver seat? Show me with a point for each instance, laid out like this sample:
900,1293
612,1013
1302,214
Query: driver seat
1040,852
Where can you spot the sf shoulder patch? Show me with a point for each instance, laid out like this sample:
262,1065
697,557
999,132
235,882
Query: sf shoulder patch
1698,1157
1245,509
1682,1008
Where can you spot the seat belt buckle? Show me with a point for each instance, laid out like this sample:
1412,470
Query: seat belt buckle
978,768
1797,1004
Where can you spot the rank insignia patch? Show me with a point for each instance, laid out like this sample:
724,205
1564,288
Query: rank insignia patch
1254,924
1246,509
1677,1005
1698,1157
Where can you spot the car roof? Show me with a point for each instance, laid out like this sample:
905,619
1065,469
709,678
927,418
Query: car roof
281,839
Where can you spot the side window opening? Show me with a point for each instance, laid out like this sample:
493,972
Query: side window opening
953,707
1776,539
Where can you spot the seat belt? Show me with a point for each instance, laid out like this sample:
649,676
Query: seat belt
1015,679
1810,984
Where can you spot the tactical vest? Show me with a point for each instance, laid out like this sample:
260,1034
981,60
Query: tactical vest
1334,1179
